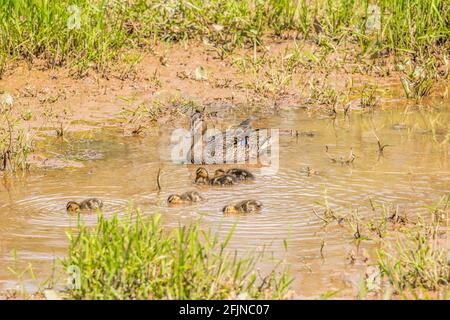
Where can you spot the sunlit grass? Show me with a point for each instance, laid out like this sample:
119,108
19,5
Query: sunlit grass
15,143
416,259
91,34
136,258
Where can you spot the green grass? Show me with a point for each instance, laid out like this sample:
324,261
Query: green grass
417,78
106,30
415,262
410,260
136,258
418,258
15,143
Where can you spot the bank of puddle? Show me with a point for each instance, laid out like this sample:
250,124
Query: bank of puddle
412,172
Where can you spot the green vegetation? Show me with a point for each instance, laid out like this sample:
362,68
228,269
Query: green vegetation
417,78
417,260
135,258
410,257
15,143
87,34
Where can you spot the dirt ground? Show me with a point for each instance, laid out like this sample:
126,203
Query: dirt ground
55,97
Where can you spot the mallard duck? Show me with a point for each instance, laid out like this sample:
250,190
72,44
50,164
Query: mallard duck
220,178
244,143
187,197
88,204
246,206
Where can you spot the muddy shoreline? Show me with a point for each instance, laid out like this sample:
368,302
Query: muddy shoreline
55,97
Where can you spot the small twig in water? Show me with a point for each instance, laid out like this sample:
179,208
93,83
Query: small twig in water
380,145
341,159
158,179
322,244
317,215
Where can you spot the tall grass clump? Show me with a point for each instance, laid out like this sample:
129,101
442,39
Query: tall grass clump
418,259
136,258
416,263
15,143
82,32
92,34
405,25
417,78
415,25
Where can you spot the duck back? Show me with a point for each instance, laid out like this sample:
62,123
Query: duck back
223,180
91,204
241,174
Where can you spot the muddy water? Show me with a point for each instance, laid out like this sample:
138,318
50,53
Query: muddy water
414,171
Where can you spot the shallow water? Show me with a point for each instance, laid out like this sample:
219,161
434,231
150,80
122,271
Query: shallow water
414,171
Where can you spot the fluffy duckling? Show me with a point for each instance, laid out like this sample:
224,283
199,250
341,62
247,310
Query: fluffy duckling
241,174
187,197
246,206
219,172
201,176
223,180
88,204
220,178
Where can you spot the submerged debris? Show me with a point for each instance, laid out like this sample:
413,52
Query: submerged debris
342,160
399,126
310,171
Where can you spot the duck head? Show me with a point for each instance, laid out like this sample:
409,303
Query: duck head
73,207
174,199
257,205
201,175
230,209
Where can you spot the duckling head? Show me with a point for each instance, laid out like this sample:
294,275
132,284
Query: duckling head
73,207
201,174
174,199
219,172
230,209
257,205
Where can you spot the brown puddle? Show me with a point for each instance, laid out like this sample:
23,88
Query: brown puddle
414,171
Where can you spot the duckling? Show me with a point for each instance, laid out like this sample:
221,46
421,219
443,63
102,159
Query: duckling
187,197
88,204
219,172
241,174
223,180
201,176
220,178
246,206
